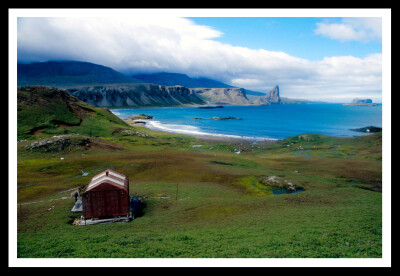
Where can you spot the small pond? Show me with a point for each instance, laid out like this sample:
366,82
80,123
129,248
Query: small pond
284,191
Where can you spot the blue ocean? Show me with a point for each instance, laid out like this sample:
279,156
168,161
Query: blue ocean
262,122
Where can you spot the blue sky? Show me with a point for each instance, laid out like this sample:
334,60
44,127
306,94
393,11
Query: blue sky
292,35
333,59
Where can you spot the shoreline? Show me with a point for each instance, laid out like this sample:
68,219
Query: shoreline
207,137
210,137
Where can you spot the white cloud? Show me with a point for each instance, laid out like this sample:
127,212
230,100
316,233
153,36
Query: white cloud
359,29
169,44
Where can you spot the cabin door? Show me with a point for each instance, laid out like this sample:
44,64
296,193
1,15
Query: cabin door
112,203
98,204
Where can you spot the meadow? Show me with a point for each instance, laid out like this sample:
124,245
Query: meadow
202,200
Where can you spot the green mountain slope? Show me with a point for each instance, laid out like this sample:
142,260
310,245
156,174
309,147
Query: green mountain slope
49,111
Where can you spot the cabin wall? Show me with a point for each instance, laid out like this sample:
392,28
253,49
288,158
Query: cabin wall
106,203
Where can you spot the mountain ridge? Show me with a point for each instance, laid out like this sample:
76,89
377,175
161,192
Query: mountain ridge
66,73
171,79
72,74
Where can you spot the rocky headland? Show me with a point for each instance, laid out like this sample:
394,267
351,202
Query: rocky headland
140,116
223,95
147,94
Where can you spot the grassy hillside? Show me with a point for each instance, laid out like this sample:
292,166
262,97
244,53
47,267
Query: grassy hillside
202,200
44,111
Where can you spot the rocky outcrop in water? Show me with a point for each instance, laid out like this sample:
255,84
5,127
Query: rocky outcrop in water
135,94
271,98
140,116
225,118
211,106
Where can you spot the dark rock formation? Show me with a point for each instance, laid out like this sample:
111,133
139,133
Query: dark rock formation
211,106
225,118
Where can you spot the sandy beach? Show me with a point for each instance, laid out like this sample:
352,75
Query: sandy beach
211,138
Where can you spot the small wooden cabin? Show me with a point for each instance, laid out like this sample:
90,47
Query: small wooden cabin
106,196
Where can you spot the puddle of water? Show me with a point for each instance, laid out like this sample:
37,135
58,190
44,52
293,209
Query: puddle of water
284,191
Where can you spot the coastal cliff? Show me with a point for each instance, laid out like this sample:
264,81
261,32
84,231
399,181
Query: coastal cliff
135,94
147,94
223,95
99,85
237,96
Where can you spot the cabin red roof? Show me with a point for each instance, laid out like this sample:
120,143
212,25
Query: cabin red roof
108,179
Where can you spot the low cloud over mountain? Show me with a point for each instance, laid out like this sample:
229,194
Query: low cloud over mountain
148,44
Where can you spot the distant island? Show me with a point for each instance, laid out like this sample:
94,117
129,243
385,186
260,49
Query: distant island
211,106
362,102
368,129
226,118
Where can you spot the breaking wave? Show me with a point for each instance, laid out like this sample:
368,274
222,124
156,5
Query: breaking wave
192,130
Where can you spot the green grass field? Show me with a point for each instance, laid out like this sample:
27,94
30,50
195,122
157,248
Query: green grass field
200,202
221,209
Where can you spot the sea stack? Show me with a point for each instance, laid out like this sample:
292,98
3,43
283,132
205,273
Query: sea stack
271,97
